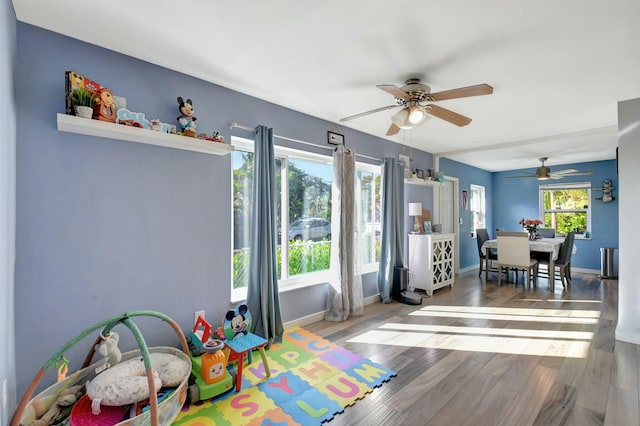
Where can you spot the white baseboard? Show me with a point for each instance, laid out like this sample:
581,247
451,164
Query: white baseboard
628,336
468,269
586,271
319,316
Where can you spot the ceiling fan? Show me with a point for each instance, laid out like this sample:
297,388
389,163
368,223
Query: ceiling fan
543,173
415,97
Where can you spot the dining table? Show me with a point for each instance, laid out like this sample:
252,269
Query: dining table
544,245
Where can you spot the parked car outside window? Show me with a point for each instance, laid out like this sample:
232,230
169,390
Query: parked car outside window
310,228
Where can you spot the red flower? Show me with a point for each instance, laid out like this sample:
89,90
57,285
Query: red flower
530,224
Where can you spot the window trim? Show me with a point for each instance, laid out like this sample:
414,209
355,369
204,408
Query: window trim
571,185
312,278
376,169
483,207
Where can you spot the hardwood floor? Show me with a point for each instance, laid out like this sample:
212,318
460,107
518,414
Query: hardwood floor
480,354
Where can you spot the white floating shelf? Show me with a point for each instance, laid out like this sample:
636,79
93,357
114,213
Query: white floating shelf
423,182
85,126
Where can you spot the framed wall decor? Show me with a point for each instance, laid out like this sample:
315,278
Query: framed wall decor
426,224
464,199
335,138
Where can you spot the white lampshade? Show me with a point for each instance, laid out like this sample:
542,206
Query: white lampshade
417,114
415,209
401,119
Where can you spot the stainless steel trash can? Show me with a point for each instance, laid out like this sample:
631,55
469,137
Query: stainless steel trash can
607,269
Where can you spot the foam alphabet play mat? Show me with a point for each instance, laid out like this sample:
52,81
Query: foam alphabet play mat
312,379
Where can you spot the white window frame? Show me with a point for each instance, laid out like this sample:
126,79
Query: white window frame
573,185
301,280
482,212
364,167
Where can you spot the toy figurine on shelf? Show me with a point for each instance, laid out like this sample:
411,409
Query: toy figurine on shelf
104,108
186,119
155,125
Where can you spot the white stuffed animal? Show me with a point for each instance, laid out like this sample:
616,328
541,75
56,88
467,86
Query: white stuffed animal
108,348
126,382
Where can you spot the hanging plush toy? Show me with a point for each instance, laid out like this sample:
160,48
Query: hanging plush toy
108,348
186,119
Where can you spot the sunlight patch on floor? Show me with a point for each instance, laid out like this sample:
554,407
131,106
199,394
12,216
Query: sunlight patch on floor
518,341
561,300
566,316
549,334
579,313
475,343
557,319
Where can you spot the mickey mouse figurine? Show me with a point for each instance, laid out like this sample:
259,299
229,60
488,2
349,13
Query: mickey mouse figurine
238,321
186,119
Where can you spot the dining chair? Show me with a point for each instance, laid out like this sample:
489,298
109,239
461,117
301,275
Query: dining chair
543,257
513,253
546,232
486,261
563,263
564,258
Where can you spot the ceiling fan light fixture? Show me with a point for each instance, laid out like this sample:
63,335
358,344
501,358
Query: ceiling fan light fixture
543,176
417,114
401,119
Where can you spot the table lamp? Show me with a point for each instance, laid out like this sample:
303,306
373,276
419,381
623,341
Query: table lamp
415,210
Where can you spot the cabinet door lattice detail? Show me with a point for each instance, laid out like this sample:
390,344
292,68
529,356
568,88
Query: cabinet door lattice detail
431,261
443,273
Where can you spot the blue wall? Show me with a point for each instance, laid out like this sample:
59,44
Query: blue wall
467,176
509,200
7,210
514,199
107,226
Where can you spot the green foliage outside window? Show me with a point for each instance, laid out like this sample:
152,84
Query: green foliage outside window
304,257
566,209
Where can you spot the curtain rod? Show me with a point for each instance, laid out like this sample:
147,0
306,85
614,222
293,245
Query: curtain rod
252,129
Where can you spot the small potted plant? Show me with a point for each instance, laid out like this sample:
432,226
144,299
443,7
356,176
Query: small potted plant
83,101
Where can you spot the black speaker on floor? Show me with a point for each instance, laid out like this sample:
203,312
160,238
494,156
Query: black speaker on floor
399,289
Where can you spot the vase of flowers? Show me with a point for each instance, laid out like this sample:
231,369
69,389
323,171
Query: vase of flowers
531,226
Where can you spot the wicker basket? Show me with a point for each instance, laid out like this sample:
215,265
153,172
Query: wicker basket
162,413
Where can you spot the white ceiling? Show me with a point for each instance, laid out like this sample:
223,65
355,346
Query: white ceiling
558,68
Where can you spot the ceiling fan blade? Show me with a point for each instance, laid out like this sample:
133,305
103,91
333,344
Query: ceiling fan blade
362,114
556,175
462,92
519,176
394,90
562,172
450,116
393,129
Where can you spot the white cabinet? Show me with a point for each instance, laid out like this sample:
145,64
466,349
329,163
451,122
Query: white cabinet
431,261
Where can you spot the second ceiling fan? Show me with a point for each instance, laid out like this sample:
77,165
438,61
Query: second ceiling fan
543,172
415,99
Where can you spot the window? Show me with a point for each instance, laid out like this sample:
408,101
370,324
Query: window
477,207
303,216
566,207
368,229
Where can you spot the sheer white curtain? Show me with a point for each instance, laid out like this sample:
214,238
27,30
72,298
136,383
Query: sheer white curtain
345,289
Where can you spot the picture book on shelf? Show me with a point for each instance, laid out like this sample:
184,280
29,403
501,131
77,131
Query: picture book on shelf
75,81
